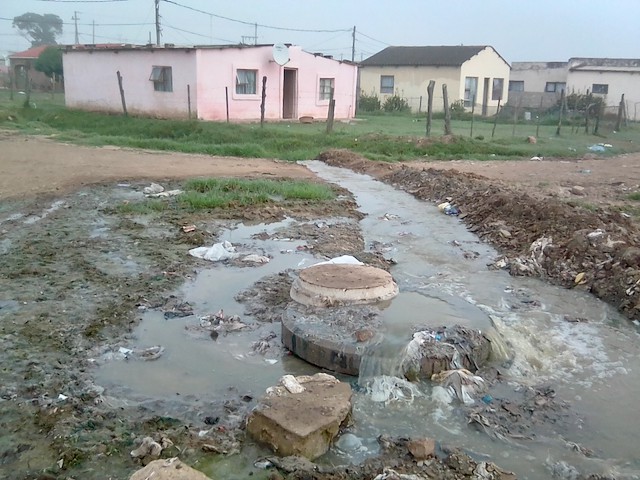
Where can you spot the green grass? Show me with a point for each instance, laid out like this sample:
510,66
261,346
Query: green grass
210,193
634,196
216,192
381,137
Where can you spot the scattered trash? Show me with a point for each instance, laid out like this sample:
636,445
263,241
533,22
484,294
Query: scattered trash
389,216
168,193
188,228
254,258
153,189
636,323
537,159
448,208
62,397
586,171
580,280
215,253
600,147
460,384
343,259
218,322
146,354
385,388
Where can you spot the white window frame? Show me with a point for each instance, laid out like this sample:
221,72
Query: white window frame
325,84
162,78
555,87
497,89
470,90
386,89
242,72
602,87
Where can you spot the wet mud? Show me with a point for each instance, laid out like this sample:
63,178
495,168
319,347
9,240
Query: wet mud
77,273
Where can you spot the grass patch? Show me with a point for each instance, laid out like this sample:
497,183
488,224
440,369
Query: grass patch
635,196
383,137
220,193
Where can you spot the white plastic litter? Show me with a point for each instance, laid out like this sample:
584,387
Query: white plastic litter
168,193
343,259
215,253
153,189
385,388
460,384
254,258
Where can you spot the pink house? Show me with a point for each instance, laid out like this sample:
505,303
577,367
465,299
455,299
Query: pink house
211,82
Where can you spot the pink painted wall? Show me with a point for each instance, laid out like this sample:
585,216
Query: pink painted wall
91,82
217,70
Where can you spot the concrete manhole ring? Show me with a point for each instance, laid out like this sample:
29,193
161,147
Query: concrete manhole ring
340,284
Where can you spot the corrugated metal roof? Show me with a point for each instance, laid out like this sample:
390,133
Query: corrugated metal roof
437,56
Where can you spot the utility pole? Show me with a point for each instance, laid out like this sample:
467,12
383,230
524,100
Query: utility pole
353,45
93,32
157,22
75,20
255,34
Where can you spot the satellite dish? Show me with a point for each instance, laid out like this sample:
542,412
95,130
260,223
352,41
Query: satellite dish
280,54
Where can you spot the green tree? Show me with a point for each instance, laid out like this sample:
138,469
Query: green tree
39,29
50,62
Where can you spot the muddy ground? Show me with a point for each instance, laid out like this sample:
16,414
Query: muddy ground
75,272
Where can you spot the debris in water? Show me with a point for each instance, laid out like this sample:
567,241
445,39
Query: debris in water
460,384
254,258
188,228
216,252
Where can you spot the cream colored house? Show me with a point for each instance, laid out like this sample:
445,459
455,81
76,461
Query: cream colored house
476,75
534,83
609,78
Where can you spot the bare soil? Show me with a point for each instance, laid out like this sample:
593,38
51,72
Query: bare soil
74,272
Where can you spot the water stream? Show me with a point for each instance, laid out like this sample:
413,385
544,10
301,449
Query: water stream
443,278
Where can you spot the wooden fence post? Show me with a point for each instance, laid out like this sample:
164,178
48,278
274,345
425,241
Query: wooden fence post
473,109
620,114
495,119
189,99
562,102
447,112
264,98
331,113
539,117
430,88
124,103
226,97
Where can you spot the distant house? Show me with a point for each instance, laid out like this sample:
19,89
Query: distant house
534,83
609,78
473,74
22,64
209,81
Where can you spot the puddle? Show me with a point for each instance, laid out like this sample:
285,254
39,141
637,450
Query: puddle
442,274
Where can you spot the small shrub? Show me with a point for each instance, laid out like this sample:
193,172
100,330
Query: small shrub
395,103
369,103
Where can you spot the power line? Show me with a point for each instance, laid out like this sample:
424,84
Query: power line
374,39
254,23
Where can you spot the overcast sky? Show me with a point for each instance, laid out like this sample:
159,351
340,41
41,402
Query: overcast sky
520,30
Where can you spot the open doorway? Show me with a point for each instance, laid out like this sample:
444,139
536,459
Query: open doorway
290,93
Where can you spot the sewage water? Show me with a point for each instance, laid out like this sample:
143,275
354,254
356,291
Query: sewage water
442,274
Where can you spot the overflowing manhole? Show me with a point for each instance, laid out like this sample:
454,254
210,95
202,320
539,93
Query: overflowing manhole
337,317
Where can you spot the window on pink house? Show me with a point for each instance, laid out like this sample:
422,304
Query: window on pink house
162,79
326,85
246,81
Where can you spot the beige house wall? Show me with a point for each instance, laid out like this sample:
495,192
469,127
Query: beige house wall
487,64
411,83
535,75
619,82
